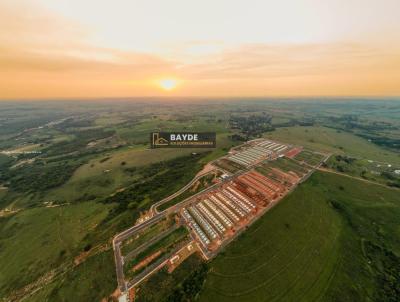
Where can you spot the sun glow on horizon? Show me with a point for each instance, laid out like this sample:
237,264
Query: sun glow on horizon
168,84
97,49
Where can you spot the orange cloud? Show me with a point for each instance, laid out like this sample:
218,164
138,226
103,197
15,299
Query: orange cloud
43,55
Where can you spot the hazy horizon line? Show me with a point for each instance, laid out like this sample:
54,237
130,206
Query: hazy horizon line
179,98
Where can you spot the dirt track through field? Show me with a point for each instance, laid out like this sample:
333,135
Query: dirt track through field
357,178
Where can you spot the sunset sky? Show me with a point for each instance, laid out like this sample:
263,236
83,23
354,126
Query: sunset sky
122,48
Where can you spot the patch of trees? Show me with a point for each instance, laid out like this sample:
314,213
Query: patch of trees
393,180
386,265
237,137
82,138
253,125
5,162
344,158
382,141
157,181
191,287
161,285
370,130
38,176
341,163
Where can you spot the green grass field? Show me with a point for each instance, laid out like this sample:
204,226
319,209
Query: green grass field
362,168
36,240
93,280
335,141
314,246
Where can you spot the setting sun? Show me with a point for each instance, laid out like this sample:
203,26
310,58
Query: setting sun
168,84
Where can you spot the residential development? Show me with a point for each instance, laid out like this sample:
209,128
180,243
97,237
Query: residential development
253,178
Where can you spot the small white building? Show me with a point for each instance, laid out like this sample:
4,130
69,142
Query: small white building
123,298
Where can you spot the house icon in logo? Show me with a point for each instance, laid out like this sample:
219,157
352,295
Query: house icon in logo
159,141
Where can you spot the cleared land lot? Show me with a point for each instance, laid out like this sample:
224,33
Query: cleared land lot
313,246
145,235
155,251
228,165
286,165
309,157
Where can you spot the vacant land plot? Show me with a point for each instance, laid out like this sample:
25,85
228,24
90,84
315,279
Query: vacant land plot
228,165
287,165
330,240
309,157
162,247
145,235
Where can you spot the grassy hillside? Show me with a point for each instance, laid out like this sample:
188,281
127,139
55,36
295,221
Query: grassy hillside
34,241
333,239
41,239
105,174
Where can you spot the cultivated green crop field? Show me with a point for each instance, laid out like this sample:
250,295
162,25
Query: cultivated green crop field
313,246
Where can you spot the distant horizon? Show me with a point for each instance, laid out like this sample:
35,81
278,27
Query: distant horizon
205,98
